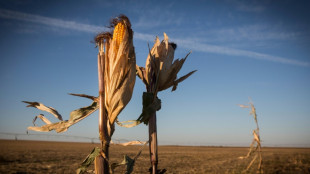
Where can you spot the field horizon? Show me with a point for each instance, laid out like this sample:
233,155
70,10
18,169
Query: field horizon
27,156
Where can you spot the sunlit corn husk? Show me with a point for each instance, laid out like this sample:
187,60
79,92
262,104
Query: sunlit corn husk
160,70
119,70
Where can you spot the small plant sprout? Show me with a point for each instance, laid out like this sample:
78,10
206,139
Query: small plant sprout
255,147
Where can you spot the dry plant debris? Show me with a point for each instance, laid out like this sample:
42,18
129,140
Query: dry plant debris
117,74
255,147
160,73
62,125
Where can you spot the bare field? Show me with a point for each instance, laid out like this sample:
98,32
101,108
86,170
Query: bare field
60,157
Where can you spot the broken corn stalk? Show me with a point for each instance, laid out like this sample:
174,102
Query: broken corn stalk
254,150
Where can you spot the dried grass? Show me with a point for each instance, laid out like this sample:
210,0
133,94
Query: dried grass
255,147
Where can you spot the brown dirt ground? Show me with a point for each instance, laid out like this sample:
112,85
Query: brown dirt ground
62,157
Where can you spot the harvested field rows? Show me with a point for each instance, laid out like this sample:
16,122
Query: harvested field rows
63,157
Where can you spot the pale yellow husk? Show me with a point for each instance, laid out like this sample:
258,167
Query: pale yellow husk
160,66
119,72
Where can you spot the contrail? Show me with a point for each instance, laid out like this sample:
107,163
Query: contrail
185,43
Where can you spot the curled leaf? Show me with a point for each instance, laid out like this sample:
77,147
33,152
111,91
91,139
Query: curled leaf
88,160
175,83
42,107
128,124
62,126
132,143
129,162
41,116
151,104
243,106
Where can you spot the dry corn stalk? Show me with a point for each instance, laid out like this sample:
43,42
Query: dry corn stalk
255,147
116,73
160,73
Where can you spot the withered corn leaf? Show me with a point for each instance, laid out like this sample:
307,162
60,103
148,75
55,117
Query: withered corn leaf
132,143
62,126
176,82
79,113
129,162
151,104
41,116
128,124
88,160
42,107
126,161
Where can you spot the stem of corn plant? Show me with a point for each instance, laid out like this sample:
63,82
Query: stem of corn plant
153,145
259,150
153,142
101,163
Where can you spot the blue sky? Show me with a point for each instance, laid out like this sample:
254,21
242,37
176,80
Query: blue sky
241,49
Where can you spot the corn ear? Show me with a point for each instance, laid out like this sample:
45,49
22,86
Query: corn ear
119,67
160,65
118,34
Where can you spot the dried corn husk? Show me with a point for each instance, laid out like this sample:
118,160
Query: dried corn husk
160,70
160,73
117,51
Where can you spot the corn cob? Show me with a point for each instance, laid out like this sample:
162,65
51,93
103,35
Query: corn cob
118,34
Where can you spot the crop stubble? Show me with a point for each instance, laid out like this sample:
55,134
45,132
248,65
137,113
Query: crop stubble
65,157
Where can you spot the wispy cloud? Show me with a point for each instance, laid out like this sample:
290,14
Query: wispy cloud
237,52
8,14
257,32
248,6
185,43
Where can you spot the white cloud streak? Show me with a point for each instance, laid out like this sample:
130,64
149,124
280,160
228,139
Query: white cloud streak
185,43
253,33
237,52
8,14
